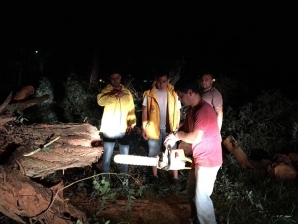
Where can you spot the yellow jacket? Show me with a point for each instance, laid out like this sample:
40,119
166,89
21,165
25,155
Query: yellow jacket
153,112
118,114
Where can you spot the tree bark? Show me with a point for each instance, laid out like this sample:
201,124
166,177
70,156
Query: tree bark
76,145
23,156
30,152
27,201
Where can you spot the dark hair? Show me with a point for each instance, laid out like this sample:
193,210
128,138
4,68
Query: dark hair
207,73
111,70
161,73
114,71
184,84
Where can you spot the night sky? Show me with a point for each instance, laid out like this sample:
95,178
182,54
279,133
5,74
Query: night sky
255,43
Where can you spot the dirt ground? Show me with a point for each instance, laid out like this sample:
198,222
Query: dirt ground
172,209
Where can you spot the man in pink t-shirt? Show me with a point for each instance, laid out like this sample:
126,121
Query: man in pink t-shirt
200,129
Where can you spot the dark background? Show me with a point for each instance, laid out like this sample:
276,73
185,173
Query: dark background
253,43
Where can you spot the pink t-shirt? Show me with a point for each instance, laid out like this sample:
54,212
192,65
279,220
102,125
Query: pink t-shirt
208,152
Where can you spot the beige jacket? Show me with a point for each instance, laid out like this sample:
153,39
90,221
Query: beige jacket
153,112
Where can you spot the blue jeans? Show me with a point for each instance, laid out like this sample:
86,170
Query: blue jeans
108,146
155,144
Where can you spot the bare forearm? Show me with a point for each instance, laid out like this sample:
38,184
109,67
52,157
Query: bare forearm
187,137
219,114
178,121
219,122
144,117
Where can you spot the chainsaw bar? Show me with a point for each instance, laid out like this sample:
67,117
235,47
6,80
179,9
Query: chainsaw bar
175,160
136,160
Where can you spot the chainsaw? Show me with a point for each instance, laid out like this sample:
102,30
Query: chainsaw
170,159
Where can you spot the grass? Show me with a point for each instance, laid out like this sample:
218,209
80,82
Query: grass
251,196
240,195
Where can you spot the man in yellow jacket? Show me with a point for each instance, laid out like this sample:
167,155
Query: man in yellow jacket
117,120
160,116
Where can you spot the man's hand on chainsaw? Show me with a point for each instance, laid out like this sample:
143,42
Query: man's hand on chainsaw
171,140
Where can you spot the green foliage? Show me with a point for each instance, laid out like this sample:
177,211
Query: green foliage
104,190
20,120
46,149
75,102
267,123
79,102
47,111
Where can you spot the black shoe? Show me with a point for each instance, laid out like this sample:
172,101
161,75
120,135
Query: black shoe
177,183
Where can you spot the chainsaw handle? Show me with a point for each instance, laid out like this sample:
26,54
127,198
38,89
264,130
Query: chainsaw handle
186,159
187,168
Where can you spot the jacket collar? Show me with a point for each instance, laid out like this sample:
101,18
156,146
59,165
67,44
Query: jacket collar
152,91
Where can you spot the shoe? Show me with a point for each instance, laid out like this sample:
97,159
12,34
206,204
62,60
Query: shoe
177,183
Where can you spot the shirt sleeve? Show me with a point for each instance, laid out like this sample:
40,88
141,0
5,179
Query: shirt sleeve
178,103
145,100
105,97
200,121
217,99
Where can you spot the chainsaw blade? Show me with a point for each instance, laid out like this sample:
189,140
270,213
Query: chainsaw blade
135,160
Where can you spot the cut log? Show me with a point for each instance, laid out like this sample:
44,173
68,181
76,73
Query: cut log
282,168
79,145
232,146
282,171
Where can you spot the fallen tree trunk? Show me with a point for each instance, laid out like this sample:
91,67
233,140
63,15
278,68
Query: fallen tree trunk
34,151
77,145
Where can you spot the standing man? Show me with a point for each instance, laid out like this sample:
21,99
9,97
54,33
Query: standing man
200,129
117,120
160,115
212,96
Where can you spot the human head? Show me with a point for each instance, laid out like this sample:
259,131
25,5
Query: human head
206,81
115,79
162,80
186,88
